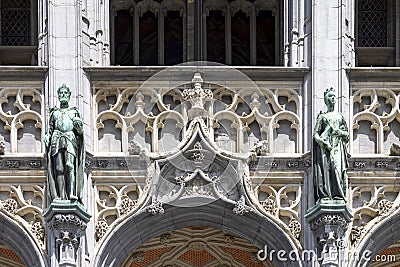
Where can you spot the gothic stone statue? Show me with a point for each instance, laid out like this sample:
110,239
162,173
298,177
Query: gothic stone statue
330,152
65,150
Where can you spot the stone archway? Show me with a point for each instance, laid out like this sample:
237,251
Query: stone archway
18,240
198,246
384,235
142,227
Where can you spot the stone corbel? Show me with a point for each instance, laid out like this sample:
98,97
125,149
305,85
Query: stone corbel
67,222
329,222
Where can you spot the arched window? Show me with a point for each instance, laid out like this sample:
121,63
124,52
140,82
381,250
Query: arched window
18,32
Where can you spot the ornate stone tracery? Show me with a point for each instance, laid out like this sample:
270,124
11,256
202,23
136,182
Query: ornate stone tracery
376,116
25,205
371,207
252,116
114,203
21,107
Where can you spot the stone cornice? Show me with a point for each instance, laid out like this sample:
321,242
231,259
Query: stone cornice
142,73
23,73
374,74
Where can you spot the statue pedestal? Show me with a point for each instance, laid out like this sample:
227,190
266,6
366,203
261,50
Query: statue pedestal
66,221
329,220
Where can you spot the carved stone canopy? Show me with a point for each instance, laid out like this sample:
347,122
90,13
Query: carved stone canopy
198,174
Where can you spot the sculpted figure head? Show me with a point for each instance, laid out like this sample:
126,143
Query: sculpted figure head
64,94
330,97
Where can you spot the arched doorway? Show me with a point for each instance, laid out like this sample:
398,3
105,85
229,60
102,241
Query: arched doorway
198,246
143,227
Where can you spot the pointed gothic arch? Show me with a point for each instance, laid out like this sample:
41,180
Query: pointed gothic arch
119,245
17,239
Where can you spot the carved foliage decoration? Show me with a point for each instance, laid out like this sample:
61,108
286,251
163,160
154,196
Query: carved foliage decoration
114,203
283,204
21,120
372,204
25,204
375,121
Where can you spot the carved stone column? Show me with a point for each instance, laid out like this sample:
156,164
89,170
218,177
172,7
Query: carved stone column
329,220
66,222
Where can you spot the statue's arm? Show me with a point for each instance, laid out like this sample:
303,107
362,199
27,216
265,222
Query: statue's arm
321,139
50,129
78,123
317,129
343,130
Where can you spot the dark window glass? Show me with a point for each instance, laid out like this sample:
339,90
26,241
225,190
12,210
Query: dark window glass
216,37
265,38
148,39
173,38
372,23
123,38
15,21
240,39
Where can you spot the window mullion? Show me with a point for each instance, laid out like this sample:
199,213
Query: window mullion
253,41
136,37
161,37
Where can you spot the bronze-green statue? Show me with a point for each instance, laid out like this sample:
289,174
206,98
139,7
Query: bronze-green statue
330,164
65,150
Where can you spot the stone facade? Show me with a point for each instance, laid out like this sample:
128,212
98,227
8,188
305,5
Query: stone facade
191,162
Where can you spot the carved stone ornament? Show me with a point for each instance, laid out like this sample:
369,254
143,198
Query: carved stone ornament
260,148
2,145
38,230
59,220
197,91
384,207
395,150
10,205
67,229
155,207
127,205
329,219
101,228
270,205
240,207
165,238
138,257
134,148
295,228
356,233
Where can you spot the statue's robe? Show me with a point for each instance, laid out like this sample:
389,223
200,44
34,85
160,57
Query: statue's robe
330,166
